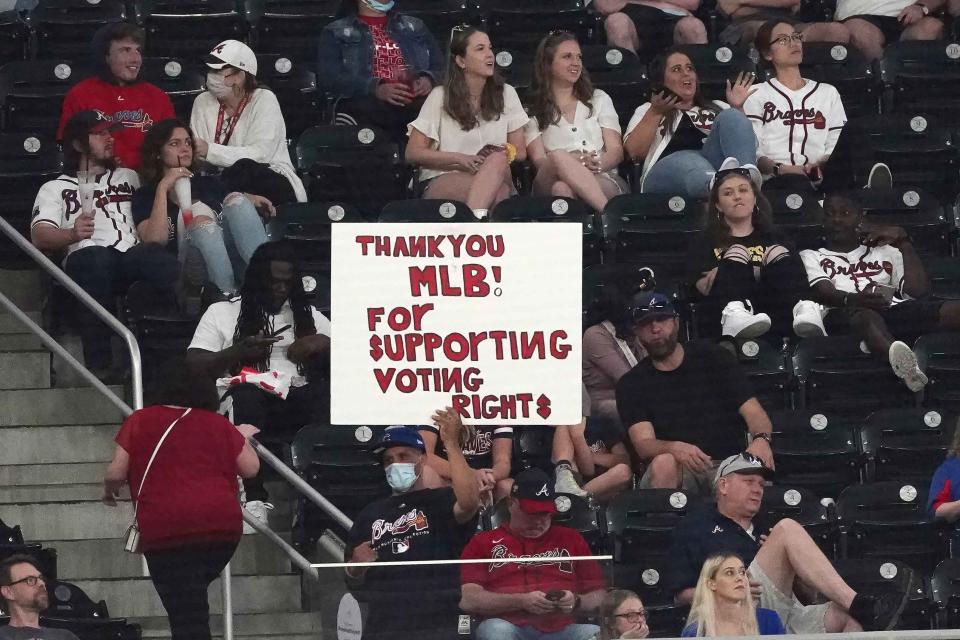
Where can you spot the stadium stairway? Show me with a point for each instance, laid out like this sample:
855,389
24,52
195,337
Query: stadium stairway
55,443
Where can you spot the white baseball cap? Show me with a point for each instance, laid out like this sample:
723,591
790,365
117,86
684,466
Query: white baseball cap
233,53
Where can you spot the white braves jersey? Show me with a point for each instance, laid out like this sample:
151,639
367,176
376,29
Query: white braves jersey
857,270
795,127
58,205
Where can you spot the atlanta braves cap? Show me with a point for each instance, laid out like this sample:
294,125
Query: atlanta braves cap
233,53
533,489
83,123
743,463
399,435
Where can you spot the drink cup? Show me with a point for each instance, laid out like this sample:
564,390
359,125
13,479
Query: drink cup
404,75
86,197
182,190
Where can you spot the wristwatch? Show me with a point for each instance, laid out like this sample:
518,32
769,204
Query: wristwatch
776,169
924,8
763,435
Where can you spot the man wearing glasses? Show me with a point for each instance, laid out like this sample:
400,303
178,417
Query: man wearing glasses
776,557
686,406
24,590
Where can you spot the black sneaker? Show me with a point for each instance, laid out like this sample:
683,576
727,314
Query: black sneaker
882,612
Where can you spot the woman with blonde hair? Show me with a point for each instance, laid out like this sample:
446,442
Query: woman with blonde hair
944,496
622,615
723,606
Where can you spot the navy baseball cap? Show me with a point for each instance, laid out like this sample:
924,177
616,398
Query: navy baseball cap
399,435
83,123
650,305
533,489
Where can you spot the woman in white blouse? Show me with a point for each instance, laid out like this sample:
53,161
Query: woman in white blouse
239,127
469,129
573,137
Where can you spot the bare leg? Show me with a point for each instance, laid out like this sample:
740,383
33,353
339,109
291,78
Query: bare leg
608,484
621,32
949,316
488,185
562,445
872,329
927,28
827,32
664,472
580,179
690,30
866,37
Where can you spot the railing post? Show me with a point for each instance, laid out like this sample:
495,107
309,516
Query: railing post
227,589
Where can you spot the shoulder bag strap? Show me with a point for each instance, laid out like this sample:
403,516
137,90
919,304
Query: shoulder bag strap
154,455
624,347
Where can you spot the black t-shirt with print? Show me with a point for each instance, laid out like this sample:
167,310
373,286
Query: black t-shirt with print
703,255
686,138
479,451
419,525
698,402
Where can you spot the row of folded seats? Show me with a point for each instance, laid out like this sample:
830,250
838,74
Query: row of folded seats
70,608
871,530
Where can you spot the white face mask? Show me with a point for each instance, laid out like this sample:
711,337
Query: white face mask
217,86
401,476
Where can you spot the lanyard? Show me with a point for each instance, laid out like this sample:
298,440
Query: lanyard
231,123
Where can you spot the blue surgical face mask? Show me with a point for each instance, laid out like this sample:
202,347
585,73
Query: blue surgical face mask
401,476
382,7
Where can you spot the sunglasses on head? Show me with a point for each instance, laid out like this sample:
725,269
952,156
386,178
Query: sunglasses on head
745,456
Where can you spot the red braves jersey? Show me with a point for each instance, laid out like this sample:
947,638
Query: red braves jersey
136,107
556,544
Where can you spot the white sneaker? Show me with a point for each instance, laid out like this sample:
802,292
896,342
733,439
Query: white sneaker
880,177
739,321
565,482
258,509
808,319
903,361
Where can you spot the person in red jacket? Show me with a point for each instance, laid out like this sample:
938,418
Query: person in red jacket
531,600
117,92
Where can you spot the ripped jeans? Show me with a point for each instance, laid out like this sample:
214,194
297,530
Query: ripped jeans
226,247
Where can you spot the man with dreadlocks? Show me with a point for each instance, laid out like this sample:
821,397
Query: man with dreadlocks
269,327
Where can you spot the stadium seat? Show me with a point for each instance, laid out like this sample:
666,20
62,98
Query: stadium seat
945,592
335,460
801,505
651,227
640,523
572,511
798,214
27,161
889,521
64,28
918,148
620,74
939,357
554,209
426,210
834,374
12,542
295,85
768,367
72,609
188,28
915,210
717,63
665,620
522,23
14,38
645,576
441,16
31,93
289,28
883,575
944,275
924,75
816,450
516,67
352,164
533,448
182,81
627,278
856,78
906,444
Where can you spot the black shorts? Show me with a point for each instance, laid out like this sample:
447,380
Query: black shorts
906,321
890,27
654,27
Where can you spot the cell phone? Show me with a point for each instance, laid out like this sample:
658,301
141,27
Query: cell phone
554,594
885,290
667,93
276,334
488,149
816,174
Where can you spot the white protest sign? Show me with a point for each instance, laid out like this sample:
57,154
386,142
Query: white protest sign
481,317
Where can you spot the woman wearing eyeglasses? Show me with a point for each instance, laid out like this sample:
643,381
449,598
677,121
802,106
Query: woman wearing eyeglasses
747,276
622,615
797,121
239,128
681,137
470,129
573,137
723,605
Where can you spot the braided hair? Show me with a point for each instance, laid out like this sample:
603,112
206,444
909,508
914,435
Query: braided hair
255,297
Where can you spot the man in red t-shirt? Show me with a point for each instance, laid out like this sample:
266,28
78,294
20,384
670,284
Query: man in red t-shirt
117,92
531,600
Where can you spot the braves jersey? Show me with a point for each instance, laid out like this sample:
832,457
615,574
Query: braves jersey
795,127
857,270
554,572
136,107
58,205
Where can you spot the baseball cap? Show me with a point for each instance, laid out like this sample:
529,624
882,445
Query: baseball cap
650,305
745,463
732,165
83,123
533,489
399,435
233,53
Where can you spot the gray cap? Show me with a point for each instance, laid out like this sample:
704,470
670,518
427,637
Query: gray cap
745,463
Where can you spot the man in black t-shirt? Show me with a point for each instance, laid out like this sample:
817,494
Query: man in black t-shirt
686,406
414,523
776,557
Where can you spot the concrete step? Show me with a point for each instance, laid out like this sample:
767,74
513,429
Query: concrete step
25,288
20,342
104,559
137,597
68,445
26,407
9,324
303,625
51,474
25,369
50,493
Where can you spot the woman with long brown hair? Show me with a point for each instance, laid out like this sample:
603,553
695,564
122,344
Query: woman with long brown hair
746,274
470,129
622,615
573,137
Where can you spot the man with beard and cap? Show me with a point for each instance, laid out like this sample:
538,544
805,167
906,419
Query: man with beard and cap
117,92
686,406
778,558
414,523
872,283
24,590
529,601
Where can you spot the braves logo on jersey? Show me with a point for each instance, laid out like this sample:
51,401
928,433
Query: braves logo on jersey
861,273
114,194
414,520
791,117
551,556
130,119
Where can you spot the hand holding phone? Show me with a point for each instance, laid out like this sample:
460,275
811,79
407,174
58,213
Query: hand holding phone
885,290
